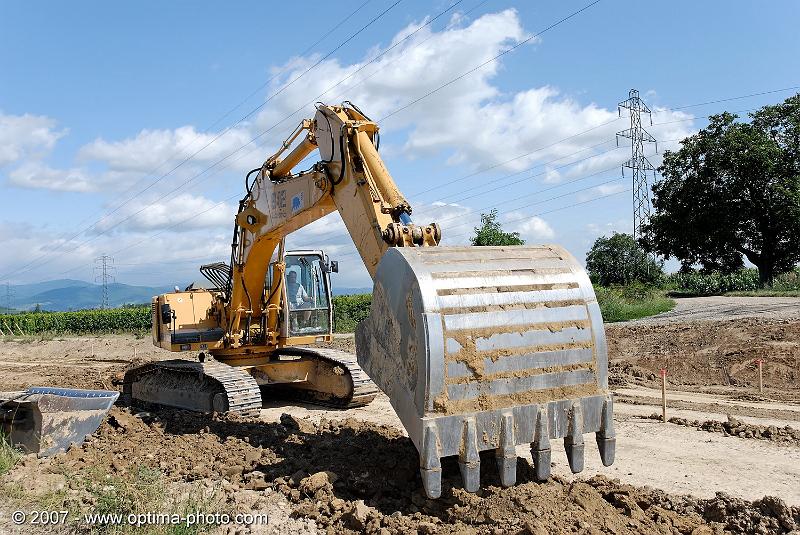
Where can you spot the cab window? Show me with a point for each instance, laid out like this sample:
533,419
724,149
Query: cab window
306,295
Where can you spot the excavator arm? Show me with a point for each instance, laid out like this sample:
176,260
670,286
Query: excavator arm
351,177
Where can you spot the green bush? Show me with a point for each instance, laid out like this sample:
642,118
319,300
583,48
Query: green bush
78,322
787,282
348,310
620,260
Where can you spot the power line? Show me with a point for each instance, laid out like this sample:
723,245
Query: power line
185,183
482,191
539,214
515,158
269,98
572,205
130,216
761,93
262,104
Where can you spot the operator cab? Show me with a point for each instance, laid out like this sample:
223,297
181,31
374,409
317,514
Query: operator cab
307,293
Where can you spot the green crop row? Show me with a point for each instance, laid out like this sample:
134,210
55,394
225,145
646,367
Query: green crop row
348,311
135,319
617,303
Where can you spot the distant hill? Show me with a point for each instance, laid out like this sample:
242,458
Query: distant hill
349,291
69,294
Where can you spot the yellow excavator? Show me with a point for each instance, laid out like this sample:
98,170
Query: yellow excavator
477,348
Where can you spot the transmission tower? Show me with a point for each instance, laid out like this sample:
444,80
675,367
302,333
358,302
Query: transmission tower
639,164
104,270
9,297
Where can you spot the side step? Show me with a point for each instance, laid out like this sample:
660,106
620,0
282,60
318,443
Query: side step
198,386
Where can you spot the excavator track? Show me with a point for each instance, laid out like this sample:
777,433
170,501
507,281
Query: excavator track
198,386
364,390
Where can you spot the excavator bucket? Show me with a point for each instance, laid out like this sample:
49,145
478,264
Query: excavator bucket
46,420
488,348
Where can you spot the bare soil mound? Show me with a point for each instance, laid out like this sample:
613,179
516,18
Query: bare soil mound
350,477
734,427
707,352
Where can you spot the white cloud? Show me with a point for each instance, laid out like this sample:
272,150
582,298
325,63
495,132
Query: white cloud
26,136
181,213
610,189
471,121
601,190
36,175
532,229
163,149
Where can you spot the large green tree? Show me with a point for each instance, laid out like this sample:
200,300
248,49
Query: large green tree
732,191
491,232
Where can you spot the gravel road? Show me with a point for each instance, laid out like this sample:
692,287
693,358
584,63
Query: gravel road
725,307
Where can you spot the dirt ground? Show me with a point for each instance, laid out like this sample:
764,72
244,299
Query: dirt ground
325,471
709,353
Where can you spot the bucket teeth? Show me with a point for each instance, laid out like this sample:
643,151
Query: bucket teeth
606,438
573,442
469,461
540,449
506,454
430,465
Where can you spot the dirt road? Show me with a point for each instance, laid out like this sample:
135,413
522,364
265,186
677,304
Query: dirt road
726,307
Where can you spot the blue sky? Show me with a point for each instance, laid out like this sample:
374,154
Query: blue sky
95,96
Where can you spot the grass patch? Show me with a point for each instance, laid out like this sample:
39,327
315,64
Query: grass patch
624,303
9,455
144,491
141,491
